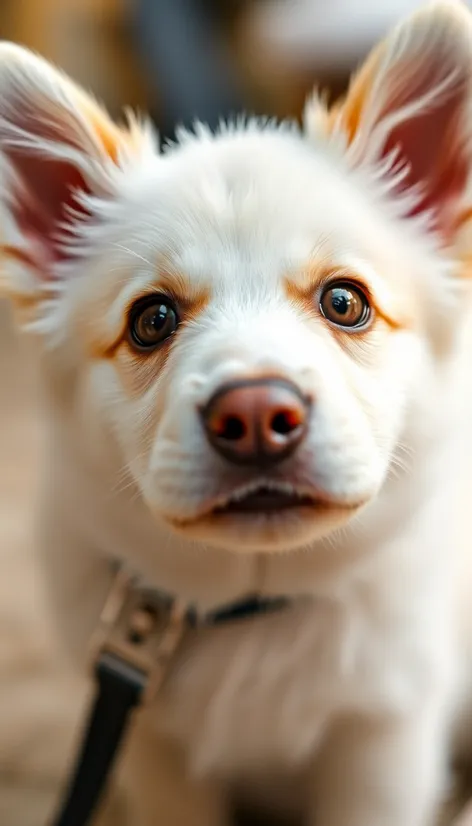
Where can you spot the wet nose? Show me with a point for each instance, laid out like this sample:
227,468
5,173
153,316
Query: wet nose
256,422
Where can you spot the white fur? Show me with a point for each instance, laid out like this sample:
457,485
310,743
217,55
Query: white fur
340,706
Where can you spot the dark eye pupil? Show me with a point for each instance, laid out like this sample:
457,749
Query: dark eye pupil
341,301
152,324
154,319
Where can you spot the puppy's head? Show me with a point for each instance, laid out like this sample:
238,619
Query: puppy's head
251,316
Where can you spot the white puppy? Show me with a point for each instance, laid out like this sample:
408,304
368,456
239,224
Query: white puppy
254,379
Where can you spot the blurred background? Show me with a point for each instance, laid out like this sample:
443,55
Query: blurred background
177,59
182,59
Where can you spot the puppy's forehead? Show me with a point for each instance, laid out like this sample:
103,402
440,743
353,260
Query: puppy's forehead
245,205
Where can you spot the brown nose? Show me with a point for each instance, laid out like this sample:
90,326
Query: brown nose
256,422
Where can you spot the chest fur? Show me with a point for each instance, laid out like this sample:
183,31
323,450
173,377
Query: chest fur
263,691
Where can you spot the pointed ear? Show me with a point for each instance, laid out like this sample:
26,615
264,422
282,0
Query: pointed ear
59,155
409,112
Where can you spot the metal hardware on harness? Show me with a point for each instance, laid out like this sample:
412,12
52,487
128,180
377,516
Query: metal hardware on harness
138,634
141,628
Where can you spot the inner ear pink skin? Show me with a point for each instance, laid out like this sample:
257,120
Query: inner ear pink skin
41,209
437,161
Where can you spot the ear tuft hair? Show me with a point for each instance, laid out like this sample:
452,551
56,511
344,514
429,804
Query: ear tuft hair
408,113
59,155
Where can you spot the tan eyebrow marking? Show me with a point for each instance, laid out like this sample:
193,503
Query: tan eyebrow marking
302,288
189,307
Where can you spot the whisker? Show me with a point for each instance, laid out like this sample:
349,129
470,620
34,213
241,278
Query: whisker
133,253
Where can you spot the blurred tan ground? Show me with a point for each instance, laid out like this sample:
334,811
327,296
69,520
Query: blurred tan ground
39,701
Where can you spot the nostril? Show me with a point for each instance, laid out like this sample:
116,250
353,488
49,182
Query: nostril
230,428
285,422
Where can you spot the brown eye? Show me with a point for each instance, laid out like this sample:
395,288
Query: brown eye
345,305
152,321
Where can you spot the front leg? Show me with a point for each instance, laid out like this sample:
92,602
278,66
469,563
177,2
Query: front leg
381,772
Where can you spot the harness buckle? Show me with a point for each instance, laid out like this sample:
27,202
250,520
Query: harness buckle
143,629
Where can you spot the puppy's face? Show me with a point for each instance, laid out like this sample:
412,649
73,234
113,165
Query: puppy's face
253,341
252,315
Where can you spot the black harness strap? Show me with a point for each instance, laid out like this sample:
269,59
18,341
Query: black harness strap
140,632
120,688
